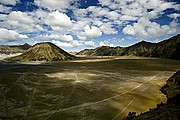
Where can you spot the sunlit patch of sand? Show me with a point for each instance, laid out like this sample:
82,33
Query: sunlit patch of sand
92,60
73,76
146,95
138,94
108,58
88,91
3,56
32,62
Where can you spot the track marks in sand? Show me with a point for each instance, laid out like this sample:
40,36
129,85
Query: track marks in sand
129,104
30,101
97,102
139,93
124,108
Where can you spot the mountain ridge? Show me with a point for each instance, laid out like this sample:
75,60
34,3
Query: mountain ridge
45,51
169,49
5,49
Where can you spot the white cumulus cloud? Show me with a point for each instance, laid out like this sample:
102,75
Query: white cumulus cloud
107,29
4,8
129,30
145,29
62,44
53,4
92,31
10,35
71,44
20,17
174,15
57,18
82,37
55,37
67,37
21,21
9,2
89,44
101,43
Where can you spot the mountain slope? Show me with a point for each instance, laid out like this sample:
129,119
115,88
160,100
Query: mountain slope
22,47
102,51
168,48
13,49
140,49
164,111
43,52
165,49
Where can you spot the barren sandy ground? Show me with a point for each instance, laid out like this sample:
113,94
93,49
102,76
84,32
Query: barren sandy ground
3,56
84,89
106,58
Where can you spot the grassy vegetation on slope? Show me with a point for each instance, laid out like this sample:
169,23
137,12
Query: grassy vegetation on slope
43,52
8,50
13,49
140,49
22,47
164,111
166,49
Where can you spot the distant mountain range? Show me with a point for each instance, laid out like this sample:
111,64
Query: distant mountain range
14,49
164,111
43,52
49,52
165,49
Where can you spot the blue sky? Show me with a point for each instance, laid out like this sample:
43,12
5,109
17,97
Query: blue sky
78,24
